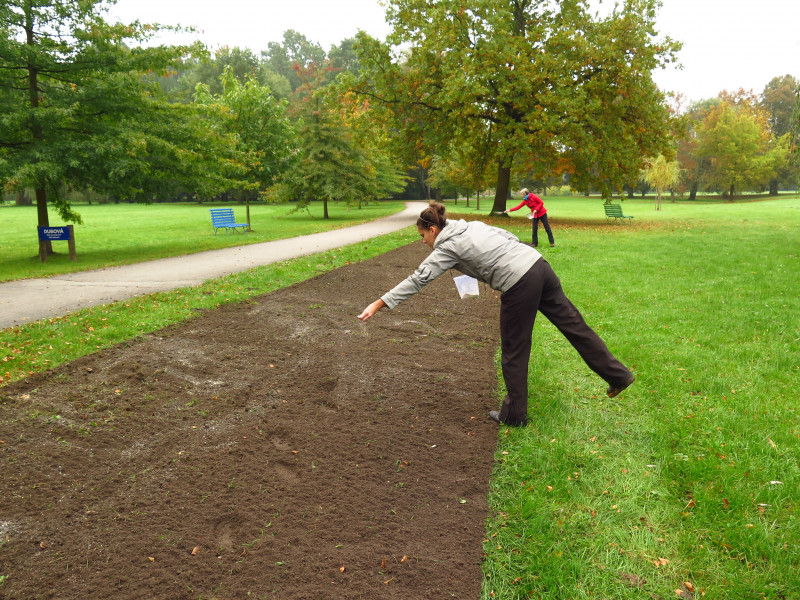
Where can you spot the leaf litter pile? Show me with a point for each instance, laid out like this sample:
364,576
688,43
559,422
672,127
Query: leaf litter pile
274,448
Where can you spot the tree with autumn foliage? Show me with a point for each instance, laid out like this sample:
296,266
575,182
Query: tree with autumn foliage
564,90
80,109
736,140
662,174
341,153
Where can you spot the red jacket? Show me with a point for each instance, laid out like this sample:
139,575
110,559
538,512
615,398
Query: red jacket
533,202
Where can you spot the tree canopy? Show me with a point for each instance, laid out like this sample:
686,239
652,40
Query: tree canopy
79,108
563,91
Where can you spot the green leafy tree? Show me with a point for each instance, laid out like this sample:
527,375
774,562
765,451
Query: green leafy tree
742,153
343,58
291,57
259,124
78,109
241,63
564,91
340,155
778,100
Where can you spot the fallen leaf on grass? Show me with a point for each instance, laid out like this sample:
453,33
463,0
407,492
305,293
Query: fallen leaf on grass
661,562
684,592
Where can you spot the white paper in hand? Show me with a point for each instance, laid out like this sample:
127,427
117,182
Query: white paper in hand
467,286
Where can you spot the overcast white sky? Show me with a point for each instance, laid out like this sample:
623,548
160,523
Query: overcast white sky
728,44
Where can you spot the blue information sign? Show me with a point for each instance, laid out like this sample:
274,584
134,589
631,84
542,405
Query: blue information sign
54,233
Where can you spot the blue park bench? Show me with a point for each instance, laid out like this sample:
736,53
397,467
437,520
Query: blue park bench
223,218
614,211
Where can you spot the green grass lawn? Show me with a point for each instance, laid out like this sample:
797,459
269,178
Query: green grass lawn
688,482
119,234
684,486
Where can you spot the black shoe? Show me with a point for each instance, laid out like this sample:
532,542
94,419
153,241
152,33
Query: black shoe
615,389
494,415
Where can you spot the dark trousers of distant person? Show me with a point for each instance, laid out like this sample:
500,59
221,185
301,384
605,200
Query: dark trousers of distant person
540,290
547,229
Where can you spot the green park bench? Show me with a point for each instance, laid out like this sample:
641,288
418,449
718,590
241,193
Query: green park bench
614,211
223,218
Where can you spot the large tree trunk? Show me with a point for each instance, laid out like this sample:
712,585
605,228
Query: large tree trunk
43,218
45,247
501,193
773,187
730,194
693,191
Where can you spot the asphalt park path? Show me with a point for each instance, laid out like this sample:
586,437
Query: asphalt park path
28,300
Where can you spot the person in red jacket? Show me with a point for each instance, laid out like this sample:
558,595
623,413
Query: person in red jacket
538,213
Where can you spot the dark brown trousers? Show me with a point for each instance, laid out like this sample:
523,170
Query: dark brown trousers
540,290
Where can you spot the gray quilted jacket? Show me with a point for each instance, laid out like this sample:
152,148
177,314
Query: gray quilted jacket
488,254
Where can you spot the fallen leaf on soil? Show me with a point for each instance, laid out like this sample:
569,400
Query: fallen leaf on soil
195,550
42,545
383,563
342,569
387,581
404,559
151,559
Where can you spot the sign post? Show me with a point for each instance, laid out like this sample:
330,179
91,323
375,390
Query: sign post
62,233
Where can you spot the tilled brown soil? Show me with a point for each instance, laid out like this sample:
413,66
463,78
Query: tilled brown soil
277,448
